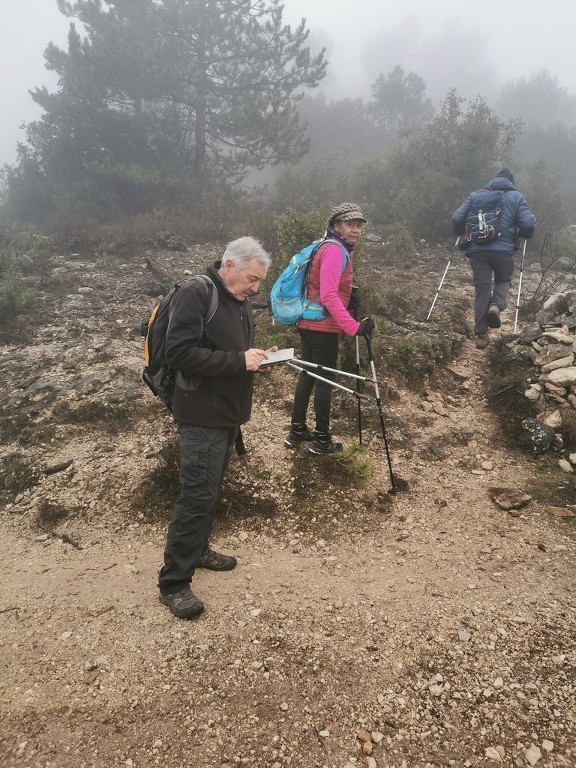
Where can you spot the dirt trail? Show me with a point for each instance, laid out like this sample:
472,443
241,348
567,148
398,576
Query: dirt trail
428,629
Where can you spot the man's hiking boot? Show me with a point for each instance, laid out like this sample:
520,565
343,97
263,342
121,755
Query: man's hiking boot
322,443
482,340
183,604
299,433
215,561
493,317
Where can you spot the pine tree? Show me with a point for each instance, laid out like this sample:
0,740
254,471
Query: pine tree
199,92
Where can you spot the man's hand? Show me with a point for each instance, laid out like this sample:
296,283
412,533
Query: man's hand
253,358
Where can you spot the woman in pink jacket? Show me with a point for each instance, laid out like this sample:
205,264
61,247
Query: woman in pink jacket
330,282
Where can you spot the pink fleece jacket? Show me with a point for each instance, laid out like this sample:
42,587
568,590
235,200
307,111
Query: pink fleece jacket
332,287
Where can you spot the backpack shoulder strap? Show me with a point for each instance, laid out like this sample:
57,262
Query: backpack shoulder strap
345,254
210,288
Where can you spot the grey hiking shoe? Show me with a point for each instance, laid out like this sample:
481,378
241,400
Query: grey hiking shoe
323,444
216,561
183,604
493,317
299,433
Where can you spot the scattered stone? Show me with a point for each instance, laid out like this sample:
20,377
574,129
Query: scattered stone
565,466
553,420
560,512
493,754
533,754
58,467
532,393
509,498
530,333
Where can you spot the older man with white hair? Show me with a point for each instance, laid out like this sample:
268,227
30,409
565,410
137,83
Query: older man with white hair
216,362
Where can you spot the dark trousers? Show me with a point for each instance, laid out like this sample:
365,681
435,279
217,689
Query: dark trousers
485,266
204,456
322,349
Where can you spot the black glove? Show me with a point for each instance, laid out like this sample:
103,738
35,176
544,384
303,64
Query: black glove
366,328
355,299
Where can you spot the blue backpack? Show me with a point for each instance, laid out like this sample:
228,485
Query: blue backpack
288,300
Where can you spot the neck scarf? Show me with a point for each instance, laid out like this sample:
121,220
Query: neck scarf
335,235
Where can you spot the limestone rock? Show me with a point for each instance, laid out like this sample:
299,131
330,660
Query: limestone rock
565,377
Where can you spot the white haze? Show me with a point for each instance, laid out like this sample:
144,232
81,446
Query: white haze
475,47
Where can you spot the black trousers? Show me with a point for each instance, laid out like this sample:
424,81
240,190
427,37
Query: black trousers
322,349
204,456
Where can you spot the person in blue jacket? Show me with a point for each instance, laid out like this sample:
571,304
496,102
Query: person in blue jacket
494,260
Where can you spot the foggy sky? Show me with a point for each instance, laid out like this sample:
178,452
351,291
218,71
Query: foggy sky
449,43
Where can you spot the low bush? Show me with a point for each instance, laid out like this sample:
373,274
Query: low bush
15,294
417,355
17,474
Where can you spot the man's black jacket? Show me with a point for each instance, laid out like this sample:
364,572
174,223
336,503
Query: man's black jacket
222,396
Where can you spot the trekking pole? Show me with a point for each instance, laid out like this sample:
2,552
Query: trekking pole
327,381
443,276
357,344
380,411
519,287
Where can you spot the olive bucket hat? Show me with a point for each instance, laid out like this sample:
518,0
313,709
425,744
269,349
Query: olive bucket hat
346,212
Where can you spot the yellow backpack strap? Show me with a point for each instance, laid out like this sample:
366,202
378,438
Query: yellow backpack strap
150,322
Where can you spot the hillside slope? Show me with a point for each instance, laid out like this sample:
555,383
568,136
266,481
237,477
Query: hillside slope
426,628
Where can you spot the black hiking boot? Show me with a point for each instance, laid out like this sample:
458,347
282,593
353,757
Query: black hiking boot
322,443
493,316
183,604
299,433
216,561
482,340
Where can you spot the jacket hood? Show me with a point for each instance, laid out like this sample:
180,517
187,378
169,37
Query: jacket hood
501,183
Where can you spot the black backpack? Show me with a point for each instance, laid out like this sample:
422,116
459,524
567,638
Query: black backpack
157,375
483,222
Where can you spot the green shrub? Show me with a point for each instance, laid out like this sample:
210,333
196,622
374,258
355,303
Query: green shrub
14,297
297,229
263,225
357,464
6,261
294,231
399,243
392,303
417,355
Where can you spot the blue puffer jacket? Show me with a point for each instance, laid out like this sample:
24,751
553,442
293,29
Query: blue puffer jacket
516,220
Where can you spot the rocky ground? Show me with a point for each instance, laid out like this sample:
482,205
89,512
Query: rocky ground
361,628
